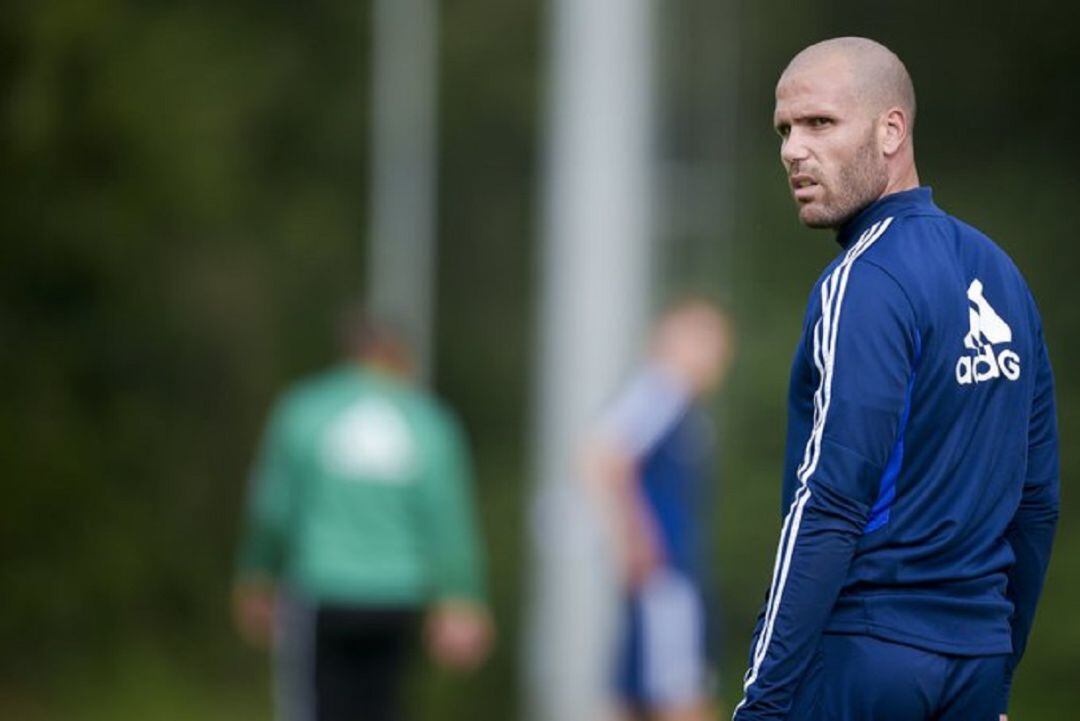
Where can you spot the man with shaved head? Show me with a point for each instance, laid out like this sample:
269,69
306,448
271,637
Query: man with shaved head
921,476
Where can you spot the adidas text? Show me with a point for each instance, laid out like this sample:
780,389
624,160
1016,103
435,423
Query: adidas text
985,366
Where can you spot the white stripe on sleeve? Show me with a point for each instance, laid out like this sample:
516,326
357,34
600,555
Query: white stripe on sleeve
824,336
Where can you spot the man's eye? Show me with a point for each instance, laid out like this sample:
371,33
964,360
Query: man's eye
819,122
783,130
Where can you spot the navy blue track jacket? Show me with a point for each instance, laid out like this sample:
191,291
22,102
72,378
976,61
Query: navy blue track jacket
921,478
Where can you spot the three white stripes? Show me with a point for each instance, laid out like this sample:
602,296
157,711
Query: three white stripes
832,290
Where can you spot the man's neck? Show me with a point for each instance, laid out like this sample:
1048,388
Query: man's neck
906,179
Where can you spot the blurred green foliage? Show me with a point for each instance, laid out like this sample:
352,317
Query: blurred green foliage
183,201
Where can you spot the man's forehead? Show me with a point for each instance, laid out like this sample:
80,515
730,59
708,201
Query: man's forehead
829,80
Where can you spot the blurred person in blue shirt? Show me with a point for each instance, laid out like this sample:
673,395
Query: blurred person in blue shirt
650,463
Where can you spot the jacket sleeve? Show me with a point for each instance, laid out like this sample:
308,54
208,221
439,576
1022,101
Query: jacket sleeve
270,504
1031,532
447,516
865,346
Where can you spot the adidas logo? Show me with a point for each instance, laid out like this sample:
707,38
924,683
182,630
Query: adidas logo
987,330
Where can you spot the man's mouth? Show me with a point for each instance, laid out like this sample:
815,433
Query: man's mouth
803,187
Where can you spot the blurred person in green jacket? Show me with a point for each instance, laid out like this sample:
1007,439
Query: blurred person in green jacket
360,529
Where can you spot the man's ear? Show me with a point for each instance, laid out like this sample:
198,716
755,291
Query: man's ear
894,130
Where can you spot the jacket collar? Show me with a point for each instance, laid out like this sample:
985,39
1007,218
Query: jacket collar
920,198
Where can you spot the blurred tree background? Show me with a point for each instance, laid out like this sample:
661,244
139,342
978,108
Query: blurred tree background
184,199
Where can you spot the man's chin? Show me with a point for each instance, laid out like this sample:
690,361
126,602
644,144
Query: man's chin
813,215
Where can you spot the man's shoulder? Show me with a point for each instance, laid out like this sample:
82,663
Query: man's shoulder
907,230
426,411
909,241
932,225
313,385
970,234
887,256
312,399
324,393
928,254
970,240
880,248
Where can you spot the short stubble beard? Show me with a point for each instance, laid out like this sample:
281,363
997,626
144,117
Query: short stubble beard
860,183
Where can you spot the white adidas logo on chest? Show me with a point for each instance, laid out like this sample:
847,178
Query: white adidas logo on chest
987,329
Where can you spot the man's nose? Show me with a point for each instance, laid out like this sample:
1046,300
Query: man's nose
793,149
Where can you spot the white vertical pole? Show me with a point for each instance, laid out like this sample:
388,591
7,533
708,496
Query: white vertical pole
597,226
404,100
698,204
